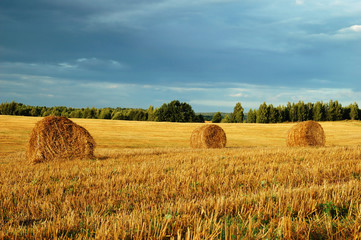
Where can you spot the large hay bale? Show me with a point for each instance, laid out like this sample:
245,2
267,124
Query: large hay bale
309,133
208,136
59,138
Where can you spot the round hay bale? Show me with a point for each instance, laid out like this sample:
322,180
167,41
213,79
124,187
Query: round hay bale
308,133
208,136
59,138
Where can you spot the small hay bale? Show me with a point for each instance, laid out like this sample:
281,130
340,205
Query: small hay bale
308,133
208,136
59,138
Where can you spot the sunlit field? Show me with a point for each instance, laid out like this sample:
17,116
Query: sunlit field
147,183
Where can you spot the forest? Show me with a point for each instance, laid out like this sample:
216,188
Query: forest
298,112
177,111
174,111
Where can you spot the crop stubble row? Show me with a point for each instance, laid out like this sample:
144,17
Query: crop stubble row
166,192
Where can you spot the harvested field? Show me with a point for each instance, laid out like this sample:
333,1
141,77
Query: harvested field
145,183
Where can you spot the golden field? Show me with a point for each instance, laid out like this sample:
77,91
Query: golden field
147,183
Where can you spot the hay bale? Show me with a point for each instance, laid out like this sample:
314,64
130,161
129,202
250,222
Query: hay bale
308,133
59,138
208,136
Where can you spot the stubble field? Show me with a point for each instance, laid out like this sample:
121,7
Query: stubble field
147,183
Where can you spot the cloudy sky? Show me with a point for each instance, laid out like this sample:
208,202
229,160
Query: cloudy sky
209,53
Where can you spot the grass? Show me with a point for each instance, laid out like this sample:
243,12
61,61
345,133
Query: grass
146,183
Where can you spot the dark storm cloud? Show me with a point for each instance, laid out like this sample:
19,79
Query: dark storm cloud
166,47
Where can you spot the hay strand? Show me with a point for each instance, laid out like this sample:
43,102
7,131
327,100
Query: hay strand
208,136
59,138
308,133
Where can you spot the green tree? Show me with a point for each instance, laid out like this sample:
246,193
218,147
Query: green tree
86,113
43,111
199,118
151,115
105,113
119,116
310,111
35,111
287,109
252,116
176,111
47,112
226,119
65,113
237,115
93,113
294,113
76,114
263,113
11,108
302,111
273,114
217,118
333,111
319,112
354,111
338,111
56,111
23,110
137,115
281,114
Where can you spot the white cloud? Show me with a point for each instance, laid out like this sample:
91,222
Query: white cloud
11,83
113,86
23,79
47,95
83,66
237,95
299,2
348,33
220,96
356,28
183,89
257,94
343,34
91,63
103,85
67,65
353,28
133,15
215,103
173,88
241,92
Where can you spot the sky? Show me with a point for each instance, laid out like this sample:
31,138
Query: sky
208,53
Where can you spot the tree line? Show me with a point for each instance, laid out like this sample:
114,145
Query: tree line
174,111
293,112
177,111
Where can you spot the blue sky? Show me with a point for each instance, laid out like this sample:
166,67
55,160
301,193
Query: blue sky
209,53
